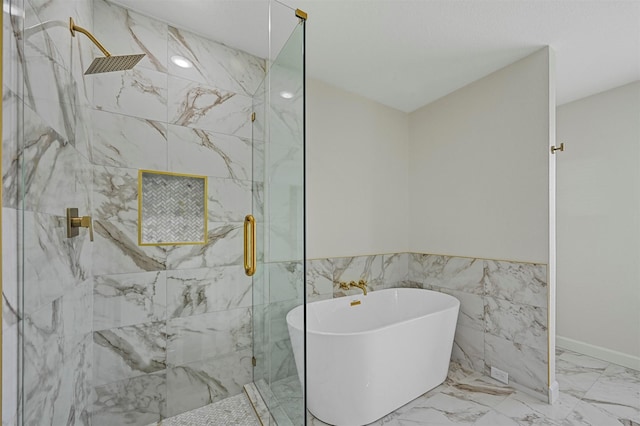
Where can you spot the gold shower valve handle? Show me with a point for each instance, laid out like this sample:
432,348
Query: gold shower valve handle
74,222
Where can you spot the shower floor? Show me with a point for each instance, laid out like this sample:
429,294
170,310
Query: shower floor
235,410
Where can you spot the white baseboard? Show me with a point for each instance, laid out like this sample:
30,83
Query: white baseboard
599,352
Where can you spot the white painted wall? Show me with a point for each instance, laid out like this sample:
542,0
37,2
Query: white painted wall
357,178
479,167
598,219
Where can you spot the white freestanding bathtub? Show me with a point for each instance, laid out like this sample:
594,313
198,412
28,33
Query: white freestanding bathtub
366,360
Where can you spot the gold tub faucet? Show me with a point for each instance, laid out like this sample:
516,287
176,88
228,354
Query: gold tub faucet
362,285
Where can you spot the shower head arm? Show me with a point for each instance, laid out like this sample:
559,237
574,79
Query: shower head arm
73,28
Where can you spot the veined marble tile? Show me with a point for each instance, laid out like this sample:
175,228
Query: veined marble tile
229,199
10,267
208,335
587,414
57,367
215,64
284,163
57,13
77,311
368,268
526,366
480,389
129,299
129,32
137,401
115,194
116,250
43,347
203,152
455,273
258,199
55,175
53,263
205,107
442,409
516,282
525,409
51,93
77,378
577,373
130,351
138,92
198,291
395,267
125,141
9,381
319,280
224,248
472,309
523,324
468,348
285,215
276,314
11,134
286,281
282,363
617,392
13,52
289,393
207,381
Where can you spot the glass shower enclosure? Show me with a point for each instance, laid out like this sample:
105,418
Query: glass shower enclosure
107,328
278,286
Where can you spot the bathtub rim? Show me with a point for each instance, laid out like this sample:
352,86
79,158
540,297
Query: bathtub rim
448,297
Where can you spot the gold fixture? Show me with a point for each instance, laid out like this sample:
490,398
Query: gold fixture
253,117
249,246
362,285
74,222
254,361
355,303
560,148
107,63
301,14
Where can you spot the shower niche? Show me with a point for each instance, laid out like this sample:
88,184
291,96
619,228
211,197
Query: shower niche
172,208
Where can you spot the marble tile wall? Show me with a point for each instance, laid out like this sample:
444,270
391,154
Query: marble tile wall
172,323
503,305
47,291
116,333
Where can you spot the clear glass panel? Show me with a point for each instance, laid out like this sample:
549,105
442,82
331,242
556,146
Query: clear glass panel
279,176
113,332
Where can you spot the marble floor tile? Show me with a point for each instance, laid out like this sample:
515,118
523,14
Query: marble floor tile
617,392
468,398
577,373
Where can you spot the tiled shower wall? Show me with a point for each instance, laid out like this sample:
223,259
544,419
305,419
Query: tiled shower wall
171,323
503,305
114,332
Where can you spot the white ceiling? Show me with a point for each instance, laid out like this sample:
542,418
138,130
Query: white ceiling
406,54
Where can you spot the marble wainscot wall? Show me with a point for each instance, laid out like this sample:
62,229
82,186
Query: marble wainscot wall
503,305
171,324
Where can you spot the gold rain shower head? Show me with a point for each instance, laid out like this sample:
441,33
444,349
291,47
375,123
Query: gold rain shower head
107,63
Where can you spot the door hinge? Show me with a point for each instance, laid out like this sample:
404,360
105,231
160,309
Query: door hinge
253,116
253,361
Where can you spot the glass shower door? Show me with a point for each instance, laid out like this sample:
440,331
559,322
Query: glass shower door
278,206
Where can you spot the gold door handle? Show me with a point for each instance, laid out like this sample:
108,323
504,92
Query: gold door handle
249,246
74,222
